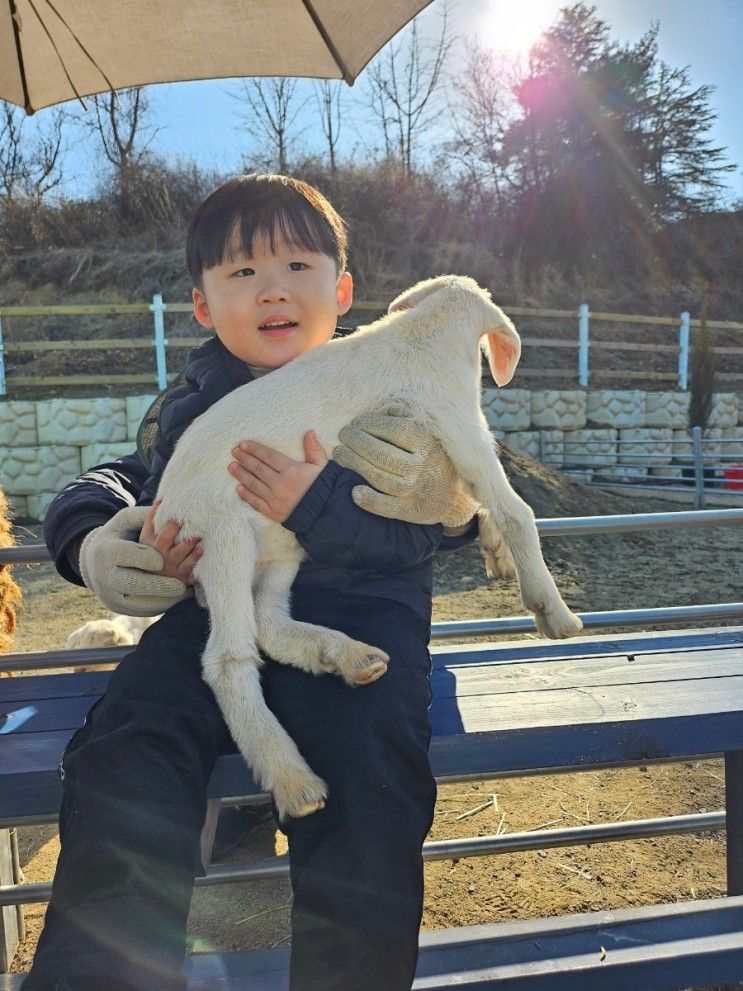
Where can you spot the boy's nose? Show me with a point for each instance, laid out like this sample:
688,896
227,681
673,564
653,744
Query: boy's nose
273,292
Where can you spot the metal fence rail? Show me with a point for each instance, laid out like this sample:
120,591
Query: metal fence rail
701,466
471,846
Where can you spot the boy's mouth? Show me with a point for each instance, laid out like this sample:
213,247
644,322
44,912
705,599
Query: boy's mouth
277,328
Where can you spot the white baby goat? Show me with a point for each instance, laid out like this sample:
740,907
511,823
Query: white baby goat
424,358
116,631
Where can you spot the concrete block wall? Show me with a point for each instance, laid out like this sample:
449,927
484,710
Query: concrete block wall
45,444
612,434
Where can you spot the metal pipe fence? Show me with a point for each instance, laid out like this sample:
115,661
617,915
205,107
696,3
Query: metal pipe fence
703,471
471,846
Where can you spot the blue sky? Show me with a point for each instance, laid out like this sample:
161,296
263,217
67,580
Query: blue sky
198,120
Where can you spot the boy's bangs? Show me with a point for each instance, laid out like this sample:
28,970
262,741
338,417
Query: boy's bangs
291,226
272,208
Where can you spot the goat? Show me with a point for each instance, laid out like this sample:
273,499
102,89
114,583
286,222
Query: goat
116,631
422,357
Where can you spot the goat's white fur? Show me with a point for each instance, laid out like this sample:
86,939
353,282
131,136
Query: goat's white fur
424,358
115,631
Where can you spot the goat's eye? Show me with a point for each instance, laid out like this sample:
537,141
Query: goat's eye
297,266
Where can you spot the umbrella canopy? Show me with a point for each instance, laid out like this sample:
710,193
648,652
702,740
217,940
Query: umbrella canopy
56,50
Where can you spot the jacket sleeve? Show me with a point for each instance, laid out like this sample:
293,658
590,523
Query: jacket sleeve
461,536
179,408
333,530
90,501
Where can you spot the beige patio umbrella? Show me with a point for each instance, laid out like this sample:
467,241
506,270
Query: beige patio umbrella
57,50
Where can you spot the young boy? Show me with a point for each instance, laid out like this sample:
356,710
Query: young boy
267,258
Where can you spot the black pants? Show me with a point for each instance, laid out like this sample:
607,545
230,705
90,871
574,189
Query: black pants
135,782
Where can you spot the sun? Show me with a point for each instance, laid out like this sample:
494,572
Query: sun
513,26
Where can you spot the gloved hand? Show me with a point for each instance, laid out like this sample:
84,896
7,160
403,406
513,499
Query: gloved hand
121,571
410,475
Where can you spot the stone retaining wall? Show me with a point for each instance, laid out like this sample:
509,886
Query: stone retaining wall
625,434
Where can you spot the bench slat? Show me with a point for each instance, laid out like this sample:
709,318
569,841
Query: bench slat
686,943
585,672
671,946
585,646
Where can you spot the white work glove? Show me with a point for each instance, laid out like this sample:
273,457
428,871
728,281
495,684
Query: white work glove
121,571
410,475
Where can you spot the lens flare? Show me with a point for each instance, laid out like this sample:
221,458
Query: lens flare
513,27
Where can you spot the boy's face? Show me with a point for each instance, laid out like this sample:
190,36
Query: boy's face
271,307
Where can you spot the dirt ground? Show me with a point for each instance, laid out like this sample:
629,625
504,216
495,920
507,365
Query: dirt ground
598,573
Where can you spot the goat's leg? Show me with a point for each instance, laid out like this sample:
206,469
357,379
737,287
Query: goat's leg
315,649
476,461
231,667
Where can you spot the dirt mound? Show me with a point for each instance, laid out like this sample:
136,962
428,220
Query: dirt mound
550,493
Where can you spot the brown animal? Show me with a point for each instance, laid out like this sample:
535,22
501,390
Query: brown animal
10,594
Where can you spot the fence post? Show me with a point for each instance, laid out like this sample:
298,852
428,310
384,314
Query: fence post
684,351
158,309
583,318
696,445
2,361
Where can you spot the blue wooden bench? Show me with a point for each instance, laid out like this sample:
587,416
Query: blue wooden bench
499,709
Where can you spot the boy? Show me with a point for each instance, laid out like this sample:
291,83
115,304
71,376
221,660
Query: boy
267,258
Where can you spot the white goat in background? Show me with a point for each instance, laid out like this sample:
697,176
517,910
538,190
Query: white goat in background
422,358
116,631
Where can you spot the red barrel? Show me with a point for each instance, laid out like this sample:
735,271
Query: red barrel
733,476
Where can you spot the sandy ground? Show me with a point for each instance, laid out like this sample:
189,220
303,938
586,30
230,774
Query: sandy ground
628,571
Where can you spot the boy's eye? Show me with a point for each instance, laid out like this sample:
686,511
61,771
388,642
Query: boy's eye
297,266
242,272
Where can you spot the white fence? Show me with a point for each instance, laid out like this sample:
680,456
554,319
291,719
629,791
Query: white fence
590,338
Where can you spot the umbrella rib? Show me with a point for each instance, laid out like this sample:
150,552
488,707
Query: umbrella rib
57,52
19,52
347,76
80,45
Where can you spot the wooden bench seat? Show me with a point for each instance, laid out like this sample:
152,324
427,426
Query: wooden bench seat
500,709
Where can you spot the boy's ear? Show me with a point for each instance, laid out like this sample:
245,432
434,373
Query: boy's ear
344,293
201,309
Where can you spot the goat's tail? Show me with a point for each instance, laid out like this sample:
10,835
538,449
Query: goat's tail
231,667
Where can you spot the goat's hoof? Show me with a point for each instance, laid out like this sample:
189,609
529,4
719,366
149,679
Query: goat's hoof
371,673
306,808
558,623
299,793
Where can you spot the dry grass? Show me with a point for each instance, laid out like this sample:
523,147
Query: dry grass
10,594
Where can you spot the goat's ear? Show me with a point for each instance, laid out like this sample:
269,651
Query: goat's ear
503,348
419,293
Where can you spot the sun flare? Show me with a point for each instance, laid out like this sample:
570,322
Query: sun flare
513,26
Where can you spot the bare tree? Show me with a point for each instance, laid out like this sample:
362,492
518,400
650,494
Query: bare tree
328,97
403,83
269,112
122,122
30,163
480,119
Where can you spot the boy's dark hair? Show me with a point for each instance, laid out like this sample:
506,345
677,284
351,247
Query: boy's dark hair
267,206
